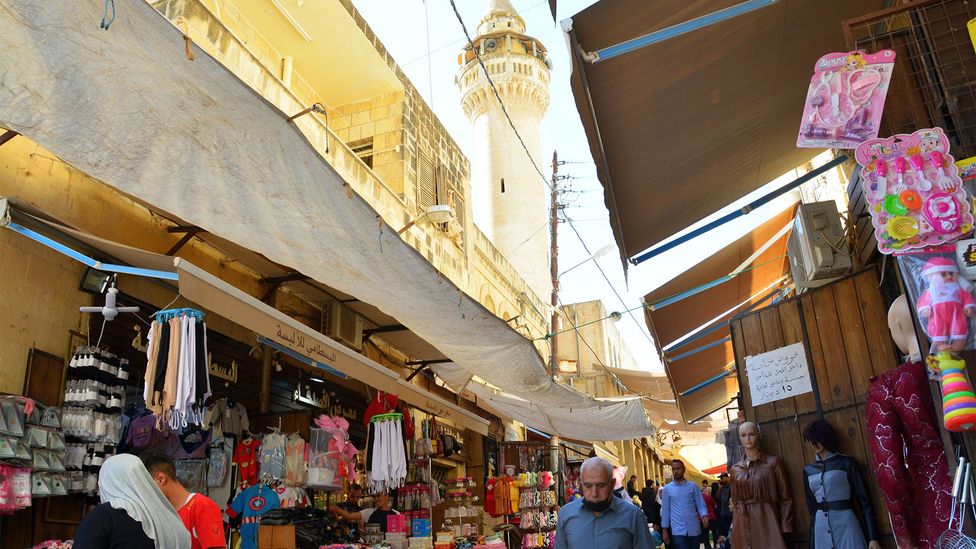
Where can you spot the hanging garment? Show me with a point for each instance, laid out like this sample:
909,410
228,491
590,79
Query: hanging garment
295,460
192,474
388,464
246,457
290,496
763,506
834,487
250,505
910,463
272,456
171,381
227,416
203,392
186,376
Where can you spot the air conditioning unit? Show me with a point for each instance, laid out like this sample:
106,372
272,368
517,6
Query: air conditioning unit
817,245
342,324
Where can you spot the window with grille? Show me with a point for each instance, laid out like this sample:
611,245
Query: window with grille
426,183
364,150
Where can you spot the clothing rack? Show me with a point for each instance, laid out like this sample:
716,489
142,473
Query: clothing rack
392,416
167,314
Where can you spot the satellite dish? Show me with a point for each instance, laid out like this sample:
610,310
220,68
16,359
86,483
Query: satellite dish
110,310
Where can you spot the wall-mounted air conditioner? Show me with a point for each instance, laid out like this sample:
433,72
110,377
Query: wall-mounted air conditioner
342,324
817,246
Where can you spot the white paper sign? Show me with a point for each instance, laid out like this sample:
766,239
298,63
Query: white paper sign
778,374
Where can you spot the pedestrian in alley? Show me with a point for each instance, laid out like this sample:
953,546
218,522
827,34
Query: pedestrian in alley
632,486
600,520
723,509
712,517
683,511
650,505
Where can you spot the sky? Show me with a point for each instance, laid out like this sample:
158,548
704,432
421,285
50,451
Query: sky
425,37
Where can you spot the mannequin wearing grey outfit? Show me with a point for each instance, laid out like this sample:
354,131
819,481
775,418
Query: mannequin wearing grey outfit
834,486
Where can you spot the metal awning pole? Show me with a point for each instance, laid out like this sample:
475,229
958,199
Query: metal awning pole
748,208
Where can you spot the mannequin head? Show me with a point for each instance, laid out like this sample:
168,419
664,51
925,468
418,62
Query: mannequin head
902,328
821,436
749,437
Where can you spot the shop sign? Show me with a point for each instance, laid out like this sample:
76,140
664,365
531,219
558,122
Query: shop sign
299,342
328,402
778,374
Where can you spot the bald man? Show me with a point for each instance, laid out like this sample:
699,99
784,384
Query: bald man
600,520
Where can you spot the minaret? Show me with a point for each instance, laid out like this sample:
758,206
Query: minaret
510,199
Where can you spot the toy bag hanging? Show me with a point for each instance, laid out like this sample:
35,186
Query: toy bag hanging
943,298
845,99
913,191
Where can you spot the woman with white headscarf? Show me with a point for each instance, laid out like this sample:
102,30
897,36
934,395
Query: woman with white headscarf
133,514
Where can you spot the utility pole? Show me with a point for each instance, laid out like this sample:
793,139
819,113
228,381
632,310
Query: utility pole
554,265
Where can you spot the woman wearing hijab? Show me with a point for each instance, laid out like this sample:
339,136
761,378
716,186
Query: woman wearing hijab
133,514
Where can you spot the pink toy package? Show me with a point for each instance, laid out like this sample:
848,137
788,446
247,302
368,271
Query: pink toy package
913,190
845,99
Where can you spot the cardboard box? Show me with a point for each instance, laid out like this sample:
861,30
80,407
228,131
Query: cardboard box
276,537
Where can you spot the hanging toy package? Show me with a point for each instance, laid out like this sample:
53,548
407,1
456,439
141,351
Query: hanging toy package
845,99
913,190
942,297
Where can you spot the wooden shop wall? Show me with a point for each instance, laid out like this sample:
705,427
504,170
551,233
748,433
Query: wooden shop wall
844,326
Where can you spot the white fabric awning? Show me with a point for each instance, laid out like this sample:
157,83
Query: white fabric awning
126,107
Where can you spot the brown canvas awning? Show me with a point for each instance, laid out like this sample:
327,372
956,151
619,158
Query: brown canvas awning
692,331
684,127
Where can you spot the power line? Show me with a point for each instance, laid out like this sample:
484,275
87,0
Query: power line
542,176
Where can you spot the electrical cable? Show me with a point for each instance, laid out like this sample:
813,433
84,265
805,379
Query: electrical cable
511,123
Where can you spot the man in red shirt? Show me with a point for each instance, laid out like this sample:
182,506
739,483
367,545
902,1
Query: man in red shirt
200,514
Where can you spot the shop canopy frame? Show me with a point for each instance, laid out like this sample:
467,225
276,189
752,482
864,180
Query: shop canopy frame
689,316
114,105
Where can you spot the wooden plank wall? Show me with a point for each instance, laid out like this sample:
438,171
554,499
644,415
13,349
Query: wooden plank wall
844,326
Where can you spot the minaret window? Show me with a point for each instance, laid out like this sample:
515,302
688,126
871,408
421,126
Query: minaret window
503,184
364,150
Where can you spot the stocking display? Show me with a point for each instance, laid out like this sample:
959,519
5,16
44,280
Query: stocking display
910,463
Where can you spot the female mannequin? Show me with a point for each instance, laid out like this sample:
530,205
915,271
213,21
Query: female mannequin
762,507
834,487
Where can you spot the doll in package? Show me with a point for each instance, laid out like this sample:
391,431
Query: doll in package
943,298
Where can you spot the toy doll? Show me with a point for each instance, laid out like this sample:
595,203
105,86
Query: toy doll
946,303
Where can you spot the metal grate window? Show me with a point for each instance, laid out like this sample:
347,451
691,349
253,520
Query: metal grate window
934,80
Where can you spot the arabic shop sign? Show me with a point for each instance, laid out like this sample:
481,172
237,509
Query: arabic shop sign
301,343
778,374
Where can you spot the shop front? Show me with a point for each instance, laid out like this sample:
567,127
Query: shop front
270,391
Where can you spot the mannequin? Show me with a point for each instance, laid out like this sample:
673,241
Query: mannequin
903,330
903,434
762,506
834,487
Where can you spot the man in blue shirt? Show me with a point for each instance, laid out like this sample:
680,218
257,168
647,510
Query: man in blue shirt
683,511
600,520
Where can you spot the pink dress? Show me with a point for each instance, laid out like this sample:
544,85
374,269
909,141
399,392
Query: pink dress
945,305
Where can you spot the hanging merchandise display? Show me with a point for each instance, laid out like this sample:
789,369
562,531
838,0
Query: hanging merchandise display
249,505
246,456
943,299
910,463
295,451
229,417
845,99
177,379
331,454
386,455
914,193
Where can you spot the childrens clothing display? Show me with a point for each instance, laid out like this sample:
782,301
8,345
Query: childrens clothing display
909,462
272,456
177,379
246,456
290,496
296,456
250,505
227,416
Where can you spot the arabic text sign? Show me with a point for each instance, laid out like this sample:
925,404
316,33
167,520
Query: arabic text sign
778,374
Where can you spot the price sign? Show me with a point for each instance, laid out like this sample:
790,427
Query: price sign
778,374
